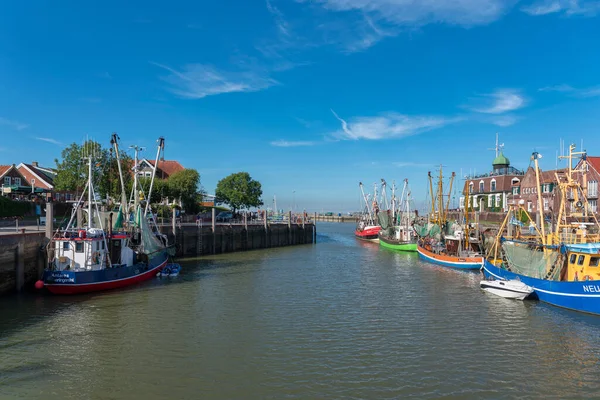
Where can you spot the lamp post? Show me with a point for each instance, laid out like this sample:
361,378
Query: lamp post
294,201
32,185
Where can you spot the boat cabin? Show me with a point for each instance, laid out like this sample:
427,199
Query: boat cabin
90,250
583,262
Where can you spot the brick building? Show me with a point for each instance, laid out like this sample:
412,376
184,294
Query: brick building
489,191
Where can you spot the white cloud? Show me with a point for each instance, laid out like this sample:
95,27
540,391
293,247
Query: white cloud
418,13
49,140
196,81
387,126
504,120
285,143
569,7
592,91
542,8
13,124
501,101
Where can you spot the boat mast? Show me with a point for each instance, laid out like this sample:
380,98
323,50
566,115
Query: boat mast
536,156
89,159
466,208
115,142
440,197
394,202
161,146
449,197
432,215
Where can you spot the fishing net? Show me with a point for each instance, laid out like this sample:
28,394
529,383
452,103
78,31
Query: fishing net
431,230
150,242
384,220
528,261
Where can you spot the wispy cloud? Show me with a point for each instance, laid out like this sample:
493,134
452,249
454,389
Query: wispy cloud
196,81
388,126
498,102
49,140
583,8
280,21
592,91
418,13
411,164
542,8
285,143
504,120
13,124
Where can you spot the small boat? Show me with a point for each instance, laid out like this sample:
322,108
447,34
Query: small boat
170,270
509,289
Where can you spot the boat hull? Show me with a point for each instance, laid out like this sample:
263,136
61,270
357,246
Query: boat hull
71,282
369,233
394,245
583,296
450,261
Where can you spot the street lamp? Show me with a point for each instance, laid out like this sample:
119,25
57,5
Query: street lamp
32,185
294,201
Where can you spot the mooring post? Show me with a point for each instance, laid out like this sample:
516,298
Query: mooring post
174,223
20,264
315,229
49,220
246,221
214,213
289,227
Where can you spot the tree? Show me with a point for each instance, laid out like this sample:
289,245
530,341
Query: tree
72,170
184,185
239,191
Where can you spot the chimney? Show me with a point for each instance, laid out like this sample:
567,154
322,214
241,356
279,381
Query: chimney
34,163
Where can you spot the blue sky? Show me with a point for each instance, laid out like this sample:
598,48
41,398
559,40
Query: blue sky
309,97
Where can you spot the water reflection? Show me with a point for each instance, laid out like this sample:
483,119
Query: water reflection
342,319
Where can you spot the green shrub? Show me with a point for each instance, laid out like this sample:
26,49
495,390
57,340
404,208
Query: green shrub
11,208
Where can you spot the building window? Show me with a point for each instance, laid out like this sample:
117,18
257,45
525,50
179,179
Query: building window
481,187
498,200
593,188
18,181
462,202
7,181
493,185
148,174
515,190
529,208
545,204
474,202
593,205
471,187
490,201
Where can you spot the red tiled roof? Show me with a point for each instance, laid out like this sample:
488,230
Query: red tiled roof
169,167
24,169
594,163
4,169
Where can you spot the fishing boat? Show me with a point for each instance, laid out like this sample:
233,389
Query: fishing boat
442,243
399,235
98,252
366,227
509,289
562,266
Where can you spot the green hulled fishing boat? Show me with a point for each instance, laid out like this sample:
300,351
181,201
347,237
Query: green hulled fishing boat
396,228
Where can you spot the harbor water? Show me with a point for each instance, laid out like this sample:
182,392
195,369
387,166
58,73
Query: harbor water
339,319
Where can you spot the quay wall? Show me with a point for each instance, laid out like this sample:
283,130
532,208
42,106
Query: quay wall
22,260
23,255
227,238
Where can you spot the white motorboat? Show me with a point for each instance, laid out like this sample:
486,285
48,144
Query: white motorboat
510,289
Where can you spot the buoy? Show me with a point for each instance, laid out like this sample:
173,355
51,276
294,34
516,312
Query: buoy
39,285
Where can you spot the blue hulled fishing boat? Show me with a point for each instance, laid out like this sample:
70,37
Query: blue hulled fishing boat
562,266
